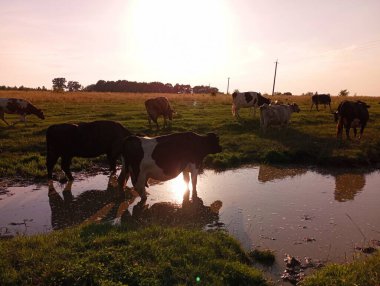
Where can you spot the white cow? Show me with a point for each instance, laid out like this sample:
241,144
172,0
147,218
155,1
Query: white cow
247,99
278,114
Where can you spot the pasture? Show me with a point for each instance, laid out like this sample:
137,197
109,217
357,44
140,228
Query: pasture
310,139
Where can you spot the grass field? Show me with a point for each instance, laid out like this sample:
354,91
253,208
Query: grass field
310,139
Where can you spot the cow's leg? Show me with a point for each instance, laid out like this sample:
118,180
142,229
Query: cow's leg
65,165
254,111
339,129
51,160
330,107
3,118
348,126
355,132
316,106
311,106
194,178
124,175
186,177
165,121
361,130
140,186
112,161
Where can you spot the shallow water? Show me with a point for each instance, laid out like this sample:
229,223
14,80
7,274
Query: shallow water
303,212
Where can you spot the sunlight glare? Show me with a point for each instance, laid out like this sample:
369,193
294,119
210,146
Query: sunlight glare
177,188
177,37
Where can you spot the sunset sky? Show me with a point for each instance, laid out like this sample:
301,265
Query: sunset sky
324,46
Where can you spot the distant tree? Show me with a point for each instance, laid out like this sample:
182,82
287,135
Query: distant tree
73,86
59,84
344,92
309,93
287,93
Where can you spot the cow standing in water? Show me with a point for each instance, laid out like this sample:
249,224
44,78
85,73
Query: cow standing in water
86,140
351,114
156,107
247,99
18,106
164,157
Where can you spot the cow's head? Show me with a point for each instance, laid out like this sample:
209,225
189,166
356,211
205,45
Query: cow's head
213,146
40,114
171,112
295,107
336,116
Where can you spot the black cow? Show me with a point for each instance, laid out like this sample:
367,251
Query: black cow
86,140
324,99
351,114
164,157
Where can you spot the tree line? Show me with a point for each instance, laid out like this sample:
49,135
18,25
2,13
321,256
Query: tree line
59,84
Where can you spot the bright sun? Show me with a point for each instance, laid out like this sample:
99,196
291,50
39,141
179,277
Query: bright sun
179,37
177,187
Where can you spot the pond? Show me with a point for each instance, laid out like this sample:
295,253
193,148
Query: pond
318,213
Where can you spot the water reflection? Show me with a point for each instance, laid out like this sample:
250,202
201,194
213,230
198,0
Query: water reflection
347,186
270,173
191,212
110,205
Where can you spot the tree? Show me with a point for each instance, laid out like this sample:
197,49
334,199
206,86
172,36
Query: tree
344,92
73,86
59,84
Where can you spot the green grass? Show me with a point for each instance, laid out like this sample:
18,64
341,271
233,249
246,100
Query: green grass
362,272
310,139
107,255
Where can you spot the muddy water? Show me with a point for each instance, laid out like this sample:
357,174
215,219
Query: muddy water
303,212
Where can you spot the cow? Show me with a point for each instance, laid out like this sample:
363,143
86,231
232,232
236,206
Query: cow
87,140
164,157
247,99
18,106
351,114
278,114
156,107
324,99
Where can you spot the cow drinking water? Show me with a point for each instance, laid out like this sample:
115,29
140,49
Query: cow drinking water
87,140
21,107
164,157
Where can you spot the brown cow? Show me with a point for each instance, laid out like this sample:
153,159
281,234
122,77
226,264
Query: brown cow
156,107
18,106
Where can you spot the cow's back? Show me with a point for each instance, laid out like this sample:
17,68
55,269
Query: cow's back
86,139
157,106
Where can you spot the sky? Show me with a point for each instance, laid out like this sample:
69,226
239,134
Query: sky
321,46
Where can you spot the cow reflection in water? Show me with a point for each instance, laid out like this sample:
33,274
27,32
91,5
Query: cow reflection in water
347,186
89,206
189,213
269,173
108,205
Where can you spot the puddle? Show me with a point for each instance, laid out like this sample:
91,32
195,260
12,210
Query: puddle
321,214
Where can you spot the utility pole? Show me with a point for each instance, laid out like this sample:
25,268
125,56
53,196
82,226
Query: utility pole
274,80
228,84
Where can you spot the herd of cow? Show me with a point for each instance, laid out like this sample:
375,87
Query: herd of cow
163,157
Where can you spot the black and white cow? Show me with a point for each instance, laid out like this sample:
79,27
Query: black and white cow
18,106
164,157
247,99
